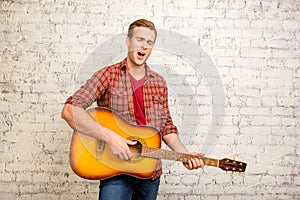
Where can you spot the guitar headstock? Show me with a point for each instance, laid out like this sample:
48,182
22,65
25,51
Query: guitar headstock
232,165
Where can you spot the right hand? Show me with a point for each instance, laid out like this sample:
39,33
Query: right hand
119,146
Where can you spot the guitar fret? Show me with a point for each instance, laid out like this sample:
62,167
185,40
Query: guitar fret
211,162
164,154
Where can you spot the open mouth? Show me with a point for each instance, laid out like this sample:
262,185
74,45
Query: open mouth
141,54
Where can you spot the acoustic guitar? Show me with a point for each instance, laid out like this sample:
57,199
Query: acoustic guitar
92,159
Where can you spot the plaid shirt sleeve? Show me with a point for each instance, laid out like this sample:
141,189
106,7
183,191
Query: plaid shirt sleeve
91,90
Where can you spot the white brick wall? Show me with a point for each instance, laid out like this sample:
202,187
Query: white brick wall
254,46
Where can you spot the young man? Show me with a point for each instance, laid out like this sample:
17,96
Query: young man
140,95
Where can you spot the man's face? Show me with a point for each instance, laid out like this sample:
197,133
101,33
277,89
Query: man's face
140,45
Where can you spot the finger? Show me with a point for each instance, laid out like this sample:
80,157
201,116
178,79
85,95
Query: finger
196,163
186,165
201,154
130,142
123,157
199,163
202,163
127,155
190,164
154,177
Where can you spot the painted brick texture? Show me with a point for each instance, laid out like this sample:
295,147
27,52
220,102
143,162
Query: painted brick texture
49,46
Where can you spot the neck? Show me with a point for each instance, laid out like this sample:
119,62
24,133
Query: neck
137,71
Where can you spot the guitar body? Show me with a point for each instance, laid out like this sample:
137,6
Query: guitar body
92,159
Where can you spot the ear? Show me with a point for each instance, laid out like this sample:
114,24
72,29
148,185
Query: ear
127,41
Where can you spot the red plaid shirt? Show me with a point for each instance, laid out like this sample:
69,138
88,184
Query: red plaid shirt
111,88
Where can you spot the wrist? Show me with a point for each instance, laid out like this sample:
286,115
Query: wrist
103,134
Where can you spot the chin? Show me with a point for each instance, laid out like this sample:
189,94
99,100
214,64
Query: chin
140,62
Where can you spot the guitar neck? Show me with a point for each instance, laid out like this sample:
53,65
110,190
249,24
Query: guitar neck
150,152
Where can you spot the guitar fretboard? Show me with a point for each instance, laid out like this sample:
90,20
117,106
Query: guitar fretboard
156,153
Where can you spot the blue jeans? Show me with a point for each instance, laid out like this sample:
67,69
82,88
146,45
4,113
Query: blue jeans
124,187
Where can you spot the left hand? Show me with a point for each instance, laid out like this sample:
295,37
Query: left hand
195,163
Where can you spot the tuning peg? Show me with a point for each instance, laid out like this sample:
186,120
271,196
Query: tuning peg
232,173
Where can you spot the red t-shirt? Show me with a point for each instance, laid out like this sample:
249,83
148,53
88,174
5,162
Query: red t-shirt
138,99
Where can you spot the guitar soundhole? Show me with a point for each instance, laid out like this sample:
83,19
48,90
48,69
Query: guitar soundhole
136,150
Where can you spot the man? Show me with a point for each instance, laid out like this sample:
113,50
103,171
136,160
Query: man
140,95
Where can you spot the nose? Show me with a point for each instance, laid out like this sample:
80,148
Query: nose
145,45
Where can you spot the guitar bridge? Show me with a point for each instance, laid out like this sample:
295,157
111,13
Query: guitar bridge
99,149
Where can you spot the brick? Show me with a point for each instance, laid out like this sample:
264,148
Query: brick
253,52
189,180
297,181
10,188
175,189
255,111
24,177
40,178
259,23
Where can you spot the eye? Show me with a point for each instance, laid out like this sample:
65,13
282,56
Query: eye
150,43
